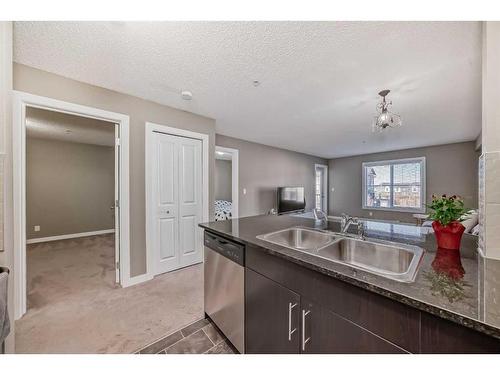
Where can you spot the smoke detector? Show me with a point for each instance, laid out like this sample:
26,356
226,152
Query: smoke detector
186,95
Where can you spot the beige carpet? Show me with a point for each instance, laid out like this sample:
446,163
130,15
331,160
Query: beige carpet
75,307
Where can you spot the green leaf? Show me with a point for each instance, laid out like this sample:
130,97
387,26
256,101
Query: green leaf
446,209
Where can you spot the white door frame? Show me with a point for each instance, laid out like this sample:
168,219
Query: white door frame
325,183
21,100
150,128
235,178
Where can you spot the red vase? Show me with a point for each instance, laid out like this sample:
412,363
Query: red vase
448,236
448,262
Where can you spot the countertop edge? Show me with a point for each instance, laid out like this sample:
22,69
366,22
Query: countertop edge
406,300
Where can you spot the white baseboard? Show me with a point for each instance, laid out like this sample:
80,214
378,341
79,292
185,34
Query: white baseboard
68,236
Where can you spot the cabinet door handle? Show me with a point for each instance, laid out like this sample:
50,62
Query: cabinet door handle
304,340
290,331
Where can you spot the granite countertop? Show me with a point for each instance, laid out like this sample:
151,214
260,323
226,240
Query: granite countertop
471,300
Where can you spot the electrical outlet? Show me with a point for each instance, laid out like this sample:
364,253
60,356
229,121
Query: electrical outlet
37,228
370,213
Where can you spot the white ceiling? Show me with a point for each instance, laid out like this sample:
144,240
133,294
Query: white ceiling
44,124
319,80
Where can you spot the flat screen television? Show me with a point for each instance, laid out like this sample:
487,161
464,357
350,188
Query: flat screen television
291,199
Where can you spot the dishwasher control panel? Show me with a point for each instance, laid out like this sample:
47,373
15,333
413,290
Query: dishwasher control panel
227,248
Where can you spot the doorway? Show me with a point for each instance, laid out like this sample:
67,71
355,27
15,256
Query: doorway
226,183
117,226
321,187
176,197
72,171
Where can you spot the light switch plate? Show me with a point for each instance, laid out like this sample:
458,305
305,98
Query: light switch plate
37,228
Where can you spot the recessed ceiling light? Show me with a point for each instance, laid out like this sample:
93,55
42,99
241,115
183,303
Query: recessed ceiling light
256,83
67,131
186,95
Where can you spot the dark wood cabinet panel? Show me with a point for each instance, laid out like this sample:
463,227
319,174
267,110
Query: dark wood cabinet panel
386,318
393,321
366,322
440,336
326,332
271,312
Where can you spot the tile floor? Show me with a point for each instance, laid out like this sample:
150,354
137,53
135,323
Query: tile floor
200,337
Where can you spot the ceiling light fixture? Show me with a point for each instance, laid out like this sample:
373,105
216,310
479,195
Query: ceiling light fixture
256,83
385,119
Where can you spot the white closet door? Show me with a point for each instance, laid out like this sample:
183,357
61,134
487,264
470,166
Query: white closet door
166,197
190,201
177,199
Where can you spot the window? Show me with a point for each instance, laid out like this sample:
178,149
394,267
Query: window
320,187
397,185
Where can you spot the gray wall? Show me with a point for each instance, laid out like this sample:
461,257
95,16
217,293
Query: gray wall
69,187
42,83
223,179
263,168
450,169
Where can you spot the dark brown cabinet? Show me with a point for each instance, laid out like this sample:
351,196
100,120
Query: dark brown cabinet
278,320
325,332
271,316
440,336
326,315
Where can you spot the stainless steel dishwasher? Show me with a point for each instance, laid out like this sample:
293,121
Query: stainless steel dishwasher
225,287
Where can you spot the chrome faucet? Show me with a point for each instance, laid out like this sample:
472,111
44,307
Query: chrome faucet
320,215
361,230
347,220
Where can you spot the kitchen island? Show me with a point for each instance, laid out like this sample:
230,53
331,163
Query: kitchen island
296,302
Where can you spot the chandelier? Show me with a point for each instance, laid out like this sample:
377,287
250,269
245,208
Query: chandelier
385,119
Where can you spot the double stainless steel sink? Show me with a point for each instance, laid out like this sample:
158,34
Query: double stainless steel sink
392,260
